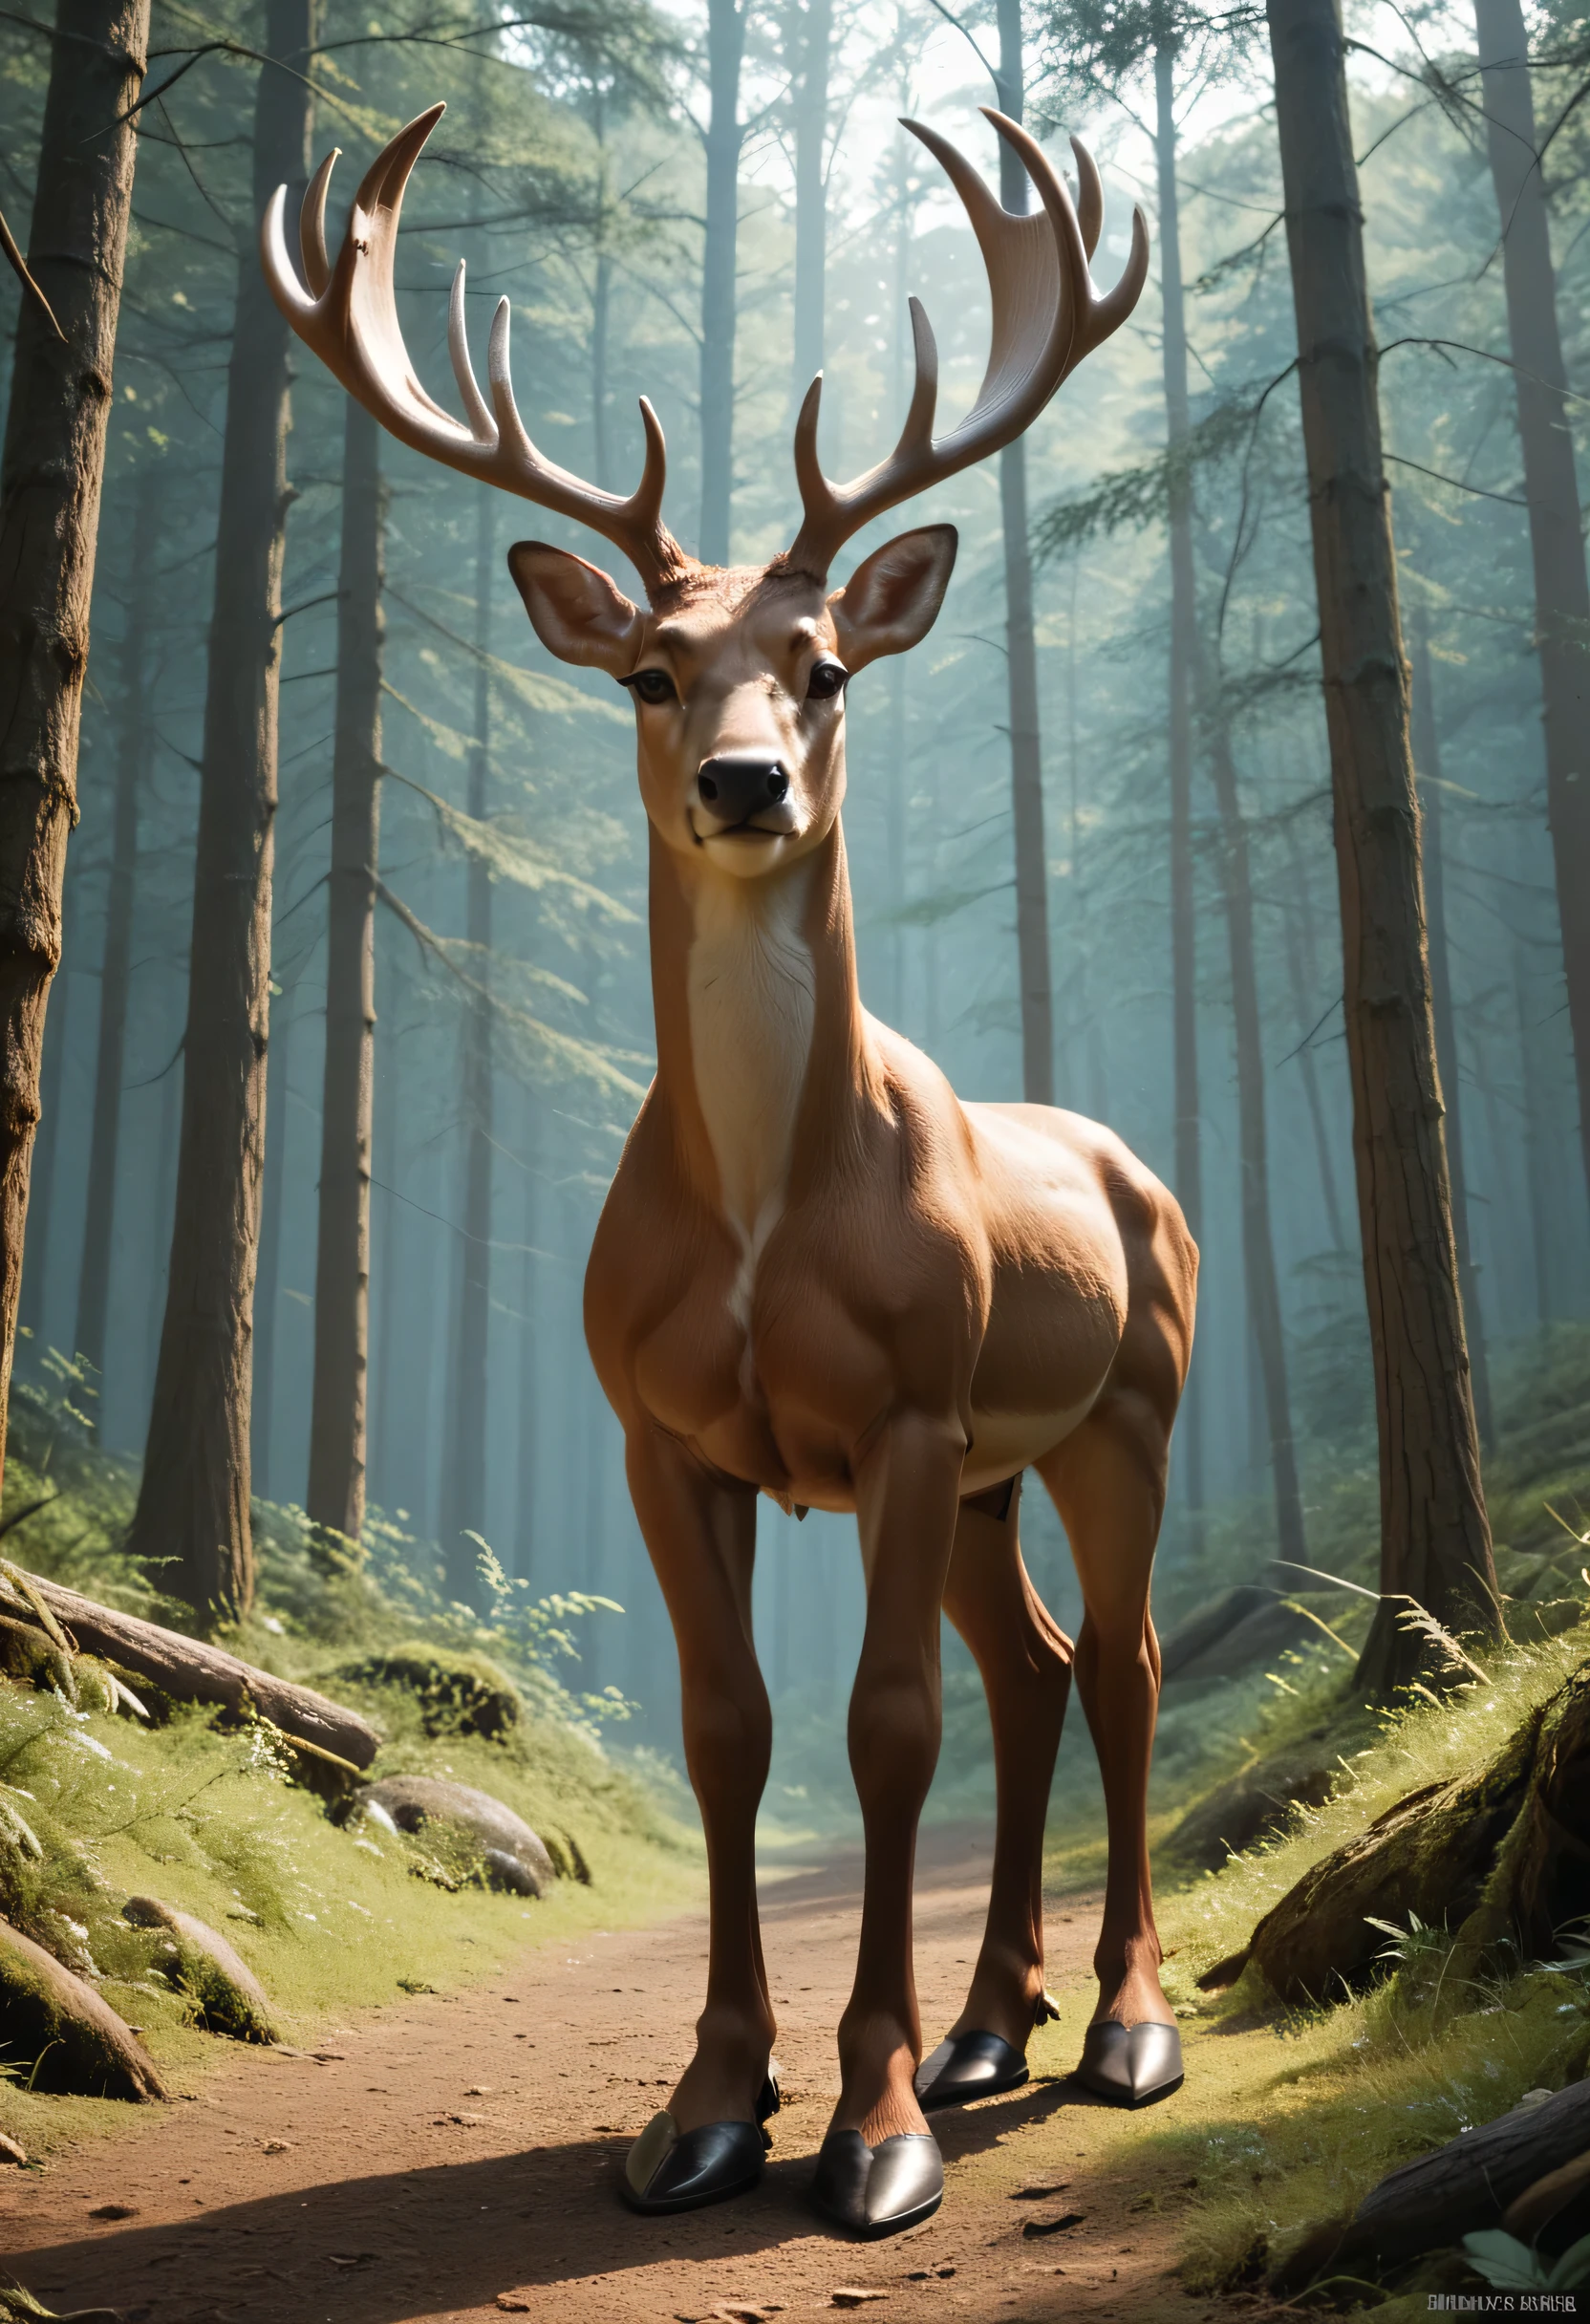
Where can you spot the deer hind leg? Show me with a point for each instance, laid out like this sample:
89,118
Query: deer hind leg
1025,1658
1107,1482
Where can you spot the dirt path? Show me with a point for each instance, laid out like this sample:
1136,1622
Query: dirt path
454,2157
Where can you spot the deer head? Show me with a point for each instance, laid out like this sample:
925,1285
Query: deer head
737,675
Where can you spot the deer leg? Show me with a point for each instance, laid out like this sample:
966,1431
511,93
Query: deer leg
1025,1658
906,1498
701,1537
1107,1482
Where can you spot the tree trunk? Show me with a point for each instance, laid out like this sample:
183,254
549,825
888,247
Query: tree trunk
1300,947
1533,1105
725,132
524,1545
1259,1241
51,473
31,1320
132,770
1435,1538
1426,757
268,1290
193,1504
1026,754
336,1484
809,44
1184,648
463,1480
1556,542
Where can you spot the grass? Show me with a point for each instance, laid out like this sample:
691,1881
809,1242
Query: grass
330,1917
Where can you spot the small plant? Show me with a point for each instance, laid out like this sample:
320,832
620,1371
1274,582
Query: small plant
1510,2266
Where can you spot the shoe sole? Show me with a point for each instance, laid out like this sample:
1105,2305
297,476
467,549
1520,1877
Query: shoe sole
879,2229
1131,2099
669,2206
969,2098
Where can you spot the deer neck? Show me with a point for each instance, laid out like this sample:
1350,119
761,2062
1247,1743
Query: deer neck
760,1039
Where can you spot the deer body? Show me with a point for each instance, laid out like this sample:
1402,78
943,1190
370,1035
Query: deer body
758,1287
818,1275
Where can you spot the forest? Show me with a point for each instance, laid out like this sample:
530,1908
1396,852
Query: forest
1239,800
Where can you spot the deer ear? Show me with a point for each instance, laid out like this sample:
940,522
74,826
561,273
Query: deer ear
577,613
891,601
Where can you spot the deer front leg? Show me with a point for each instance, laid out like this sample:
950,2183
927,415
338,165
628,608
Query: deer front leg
701,1537
879,2169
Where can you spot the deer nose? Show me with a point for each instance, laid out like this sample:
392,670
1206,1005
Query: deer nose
733,789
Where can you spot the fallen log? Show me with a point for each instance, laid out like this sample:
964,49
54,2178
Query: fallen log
1431,2203
1499,1857
69,2034
192,1671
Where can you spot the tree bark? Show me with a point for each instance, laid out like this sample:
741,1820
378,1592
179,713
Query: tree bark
31,1319
463,1479
809,44
1435,1536
132,772
51,472
1300,948
1184,648
1026,750
336,1486
526,1452
1259,1241
268,1288
1426,757
1551,486
725,132
193,1504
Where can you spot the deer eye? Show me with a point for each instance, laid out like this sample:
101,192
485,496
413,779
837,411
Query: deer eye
652,685
827,678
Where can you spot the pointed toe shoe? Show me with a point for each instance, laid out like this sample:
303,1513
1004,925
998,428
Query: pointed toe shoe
968,2066
1132,2065
668,2170
878,2190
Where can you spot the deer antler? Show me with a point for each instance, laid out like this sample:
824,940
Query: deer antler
349,317
1047,317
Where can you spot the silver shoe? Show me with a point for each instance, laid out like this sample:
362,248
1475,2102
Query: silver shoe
1130,2065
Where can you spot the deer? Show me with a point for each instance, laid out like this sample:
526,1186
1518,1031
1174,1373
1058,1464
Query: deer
818,1275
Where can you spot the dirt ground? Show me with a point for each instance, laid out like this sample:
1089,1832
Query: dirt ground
457,2156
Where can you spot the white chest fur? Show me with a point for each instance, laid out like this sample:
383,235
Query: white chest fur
752,989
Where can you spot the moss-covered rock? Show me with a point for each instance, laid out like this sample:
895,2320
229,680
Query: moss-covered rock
63,2032
455,1694
478,1833
224,1990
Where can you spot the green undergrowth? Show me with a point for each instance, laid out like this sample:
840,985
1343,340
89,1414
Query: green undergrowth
329,1915
1311,2108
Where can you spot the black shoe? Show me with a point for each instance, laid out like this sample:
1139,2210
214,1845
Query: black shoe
974,2065
877,2191
1132,2065
968,2066
670,2170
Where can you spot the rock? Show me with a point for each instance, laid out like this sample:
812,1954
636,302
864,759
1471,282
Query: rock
509,1851
77,2039
225,1991
455,1696
113,2211
9,2151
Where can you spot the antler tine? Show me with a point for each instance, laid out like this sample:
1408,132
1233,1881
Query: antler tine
1090,197
311,227
347,315
1046,316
